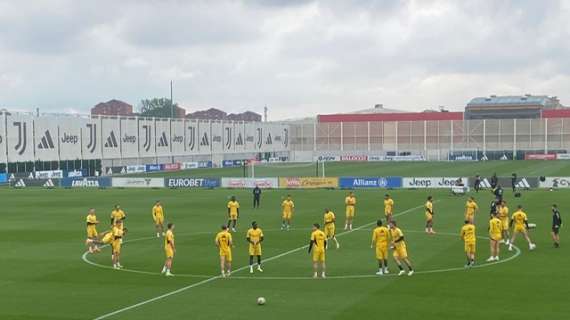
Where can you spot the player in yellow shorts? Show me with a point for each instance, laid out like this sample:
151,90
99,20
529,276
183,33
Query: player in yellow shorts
469,237
503,211
380,238
317,246
495,236
287,209
158,218
350,202
520,222
429,215
233,213
224,243
116,244
92,230
388,208
329,226
169,250
117,214
254,237
399,249
471,208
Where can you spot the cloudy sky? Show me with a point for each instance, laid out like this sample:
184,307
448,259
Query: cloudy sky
298,57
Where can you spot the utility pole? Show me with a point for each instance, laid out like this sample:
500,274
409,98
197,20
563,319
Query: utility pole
171,102
265,113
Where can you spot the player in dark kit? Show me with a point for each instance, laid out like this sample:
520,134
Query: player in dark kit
494,181
498,192
514,182
556,224
256,196
477,185
494,206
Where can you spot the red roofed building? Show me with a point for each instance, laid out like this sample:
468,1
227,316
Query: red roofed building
112,108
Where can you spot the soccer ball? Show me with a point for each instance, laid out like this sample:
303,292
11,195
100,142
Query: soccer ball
261,301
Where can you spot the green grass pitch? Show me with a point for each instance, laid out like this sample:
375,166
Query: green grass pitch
45,277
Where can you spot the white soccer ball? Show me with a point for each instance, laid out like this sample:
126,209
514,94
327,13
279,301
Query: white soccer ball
261,301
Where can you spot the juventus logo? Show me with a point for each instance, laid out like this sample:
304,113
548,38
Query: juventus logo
147,143
228,138
259,142
22,137
92,137
285,137
192,138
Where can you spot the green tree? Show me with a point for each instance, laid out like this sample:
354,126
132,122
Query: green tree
158,107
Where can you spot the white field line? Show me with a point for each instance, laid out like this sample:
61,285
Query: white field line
168,294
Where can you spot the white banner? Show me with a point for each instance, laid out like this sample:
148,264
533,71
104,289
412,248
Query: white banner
129,138
239,137
146,138
244,183
563,156
49,174
189,165
217,132
69,139
110,133
204,137
555,182
177,137
136,168
20,138
138,182
3,157
91,138
251,138
280,137
327,158
228,137
192,137
46,139
432,182
162,129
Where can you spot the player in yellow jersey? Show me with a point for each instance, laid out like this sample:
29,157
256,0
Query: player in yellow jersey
117,214
471,208
92,230
117,242
317,246
158,218
254,237
350,202
388,208
224,243
169,250
233,213
380,239
287,209
495,236
429,215
399,249
503,211
520,222
469,237
329,226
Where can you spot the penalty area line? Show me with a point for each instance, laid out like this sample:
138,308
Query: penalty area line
205,281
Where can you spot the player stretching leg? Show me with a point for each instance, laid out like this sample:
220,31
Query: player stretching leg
520,221
287,208
224,243
318,246
158,218
350,202
380,237
556,224
330,228
469,238
399,250
429,215
495,236
169,250
233,213
254,237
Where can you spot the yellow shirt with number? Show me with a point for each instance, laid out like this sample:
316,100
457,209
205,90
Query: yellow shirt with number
495,229
158,213
169,244
471,207
224,241
91,225
429,210
519,218
468,233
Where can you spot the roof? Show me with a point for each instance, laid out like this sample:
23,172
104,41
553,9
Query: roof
410,116
529,100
